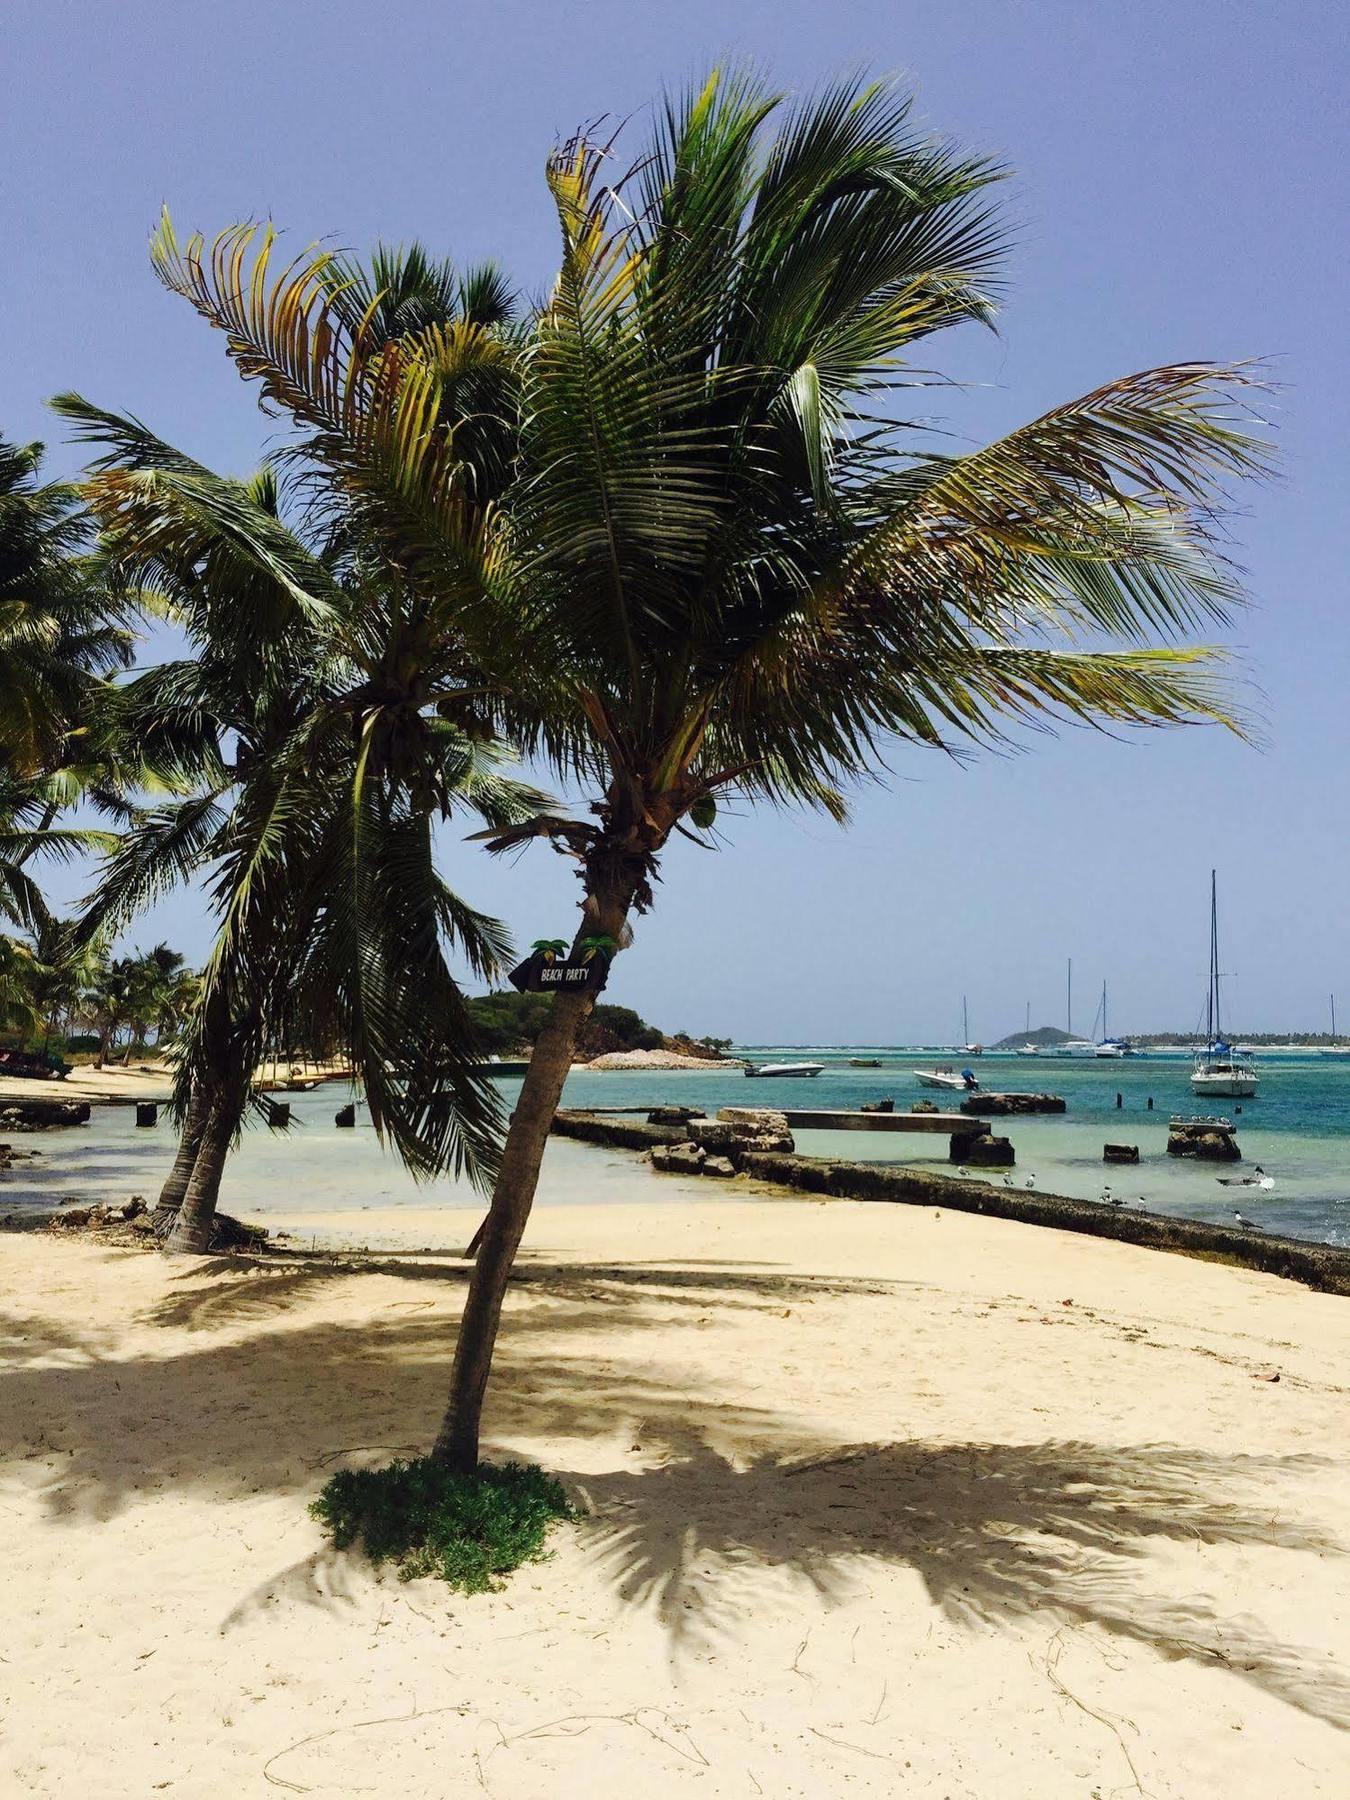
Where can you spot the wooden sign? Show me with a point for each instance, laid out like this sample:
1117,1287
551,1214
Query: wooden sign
540,974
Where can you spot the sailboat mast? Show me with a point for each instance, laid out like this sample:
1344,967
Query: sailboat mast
1215,1026
1105,1033
1068,1004
965,1024
1333,1018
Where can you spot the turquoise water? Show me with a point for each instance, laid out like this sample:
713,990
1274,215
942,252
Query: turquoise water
1298,1129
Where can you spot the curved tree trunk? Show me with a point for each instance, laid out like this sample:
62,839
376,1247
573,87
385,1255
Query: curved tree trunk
171,1194
512,1198
191,1230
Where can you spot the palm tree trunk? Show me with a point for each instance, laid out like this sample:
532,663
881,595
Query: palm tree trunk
191,1231
171,1194
512,1198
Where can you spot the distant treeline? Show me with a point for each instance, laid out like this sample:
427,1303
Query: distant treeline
508,1024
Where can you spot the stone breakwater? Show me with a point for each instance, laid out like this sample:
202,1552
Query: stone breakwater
1322,1266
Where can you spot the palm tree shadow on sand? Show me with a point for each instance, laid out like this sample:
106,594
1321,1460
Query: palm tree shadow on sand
734,1501
999,1534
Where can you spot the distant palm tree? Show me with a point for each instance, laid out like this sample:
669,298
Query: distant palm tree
726,558
60,630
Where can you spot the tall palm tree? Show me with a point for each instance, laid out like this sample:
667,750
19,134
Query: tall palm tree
724,558
328,929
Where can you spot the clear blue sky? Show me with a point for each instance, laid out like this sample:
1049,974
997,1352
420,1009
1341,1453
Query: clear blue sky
1181,190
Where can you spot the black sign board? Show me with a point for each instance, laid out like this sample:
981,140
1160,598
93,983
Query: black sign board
539,974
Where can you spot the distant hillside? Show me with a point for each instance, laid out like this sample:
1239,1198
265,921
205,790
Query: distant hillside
1043,1034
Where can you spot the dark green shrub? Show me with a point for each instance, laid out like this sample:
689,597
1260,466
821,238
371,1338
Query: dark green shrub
468,1529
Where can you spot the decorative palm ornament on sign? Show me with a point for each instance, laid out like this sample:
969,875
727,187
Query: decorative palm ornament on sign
550,970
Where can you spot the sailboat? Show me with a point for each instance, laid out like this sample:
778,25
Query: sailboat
969,1048
1028,1048
1333,1048
1108,1046
1219,1069
1070,1045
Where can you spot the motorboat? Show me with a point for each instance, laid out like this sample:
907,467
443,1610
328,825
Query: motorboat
783,1069
963,1082
1219,1069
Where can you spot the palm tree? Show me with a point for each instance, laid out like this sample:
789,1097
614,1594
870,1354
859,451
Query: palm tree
329,930
60,630
725,559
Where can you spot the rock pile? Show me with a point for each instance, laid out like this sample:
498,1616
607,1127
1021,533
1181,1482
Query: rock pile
715,1147
1000,1105
1208,1140
981,1150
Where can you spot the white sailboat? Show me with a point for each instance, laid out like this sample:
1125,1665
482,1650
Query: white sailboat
1108,1047
1333,1048
1219,1068
1070,1045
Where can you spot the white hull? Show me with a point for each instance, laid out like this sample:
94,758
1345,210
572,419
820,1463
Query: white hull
780,1070
935,1078
1230,1086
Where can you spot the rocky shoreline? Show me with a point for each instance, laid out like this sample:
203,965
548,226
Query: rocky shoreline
1325,1267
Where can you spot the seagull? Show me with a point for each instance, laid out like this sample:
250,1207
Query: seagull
1106,1195
1007,1181
963,1171
1030,1181
1249,1224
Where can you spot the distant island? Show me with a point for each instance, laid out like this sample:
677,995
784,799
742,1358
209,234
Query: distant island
1047,1036
508,1024
1042,1036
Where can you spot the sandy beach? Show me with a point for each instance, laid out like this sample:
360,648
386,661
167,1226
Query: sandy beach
878,1501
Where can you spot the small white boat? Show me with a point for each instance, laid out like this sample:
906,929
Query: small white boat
1220,1070
1228,1077
783,1069
962,1083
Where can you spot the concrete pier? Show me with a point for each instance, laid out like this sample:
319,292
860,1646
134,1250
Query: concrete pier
824,1120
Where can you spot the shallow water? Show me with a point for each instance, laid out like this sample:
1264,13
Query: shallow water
1298,1129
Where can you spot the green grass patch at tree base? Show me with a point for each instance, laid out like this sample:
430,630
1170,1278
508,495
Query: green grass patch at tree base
468,1529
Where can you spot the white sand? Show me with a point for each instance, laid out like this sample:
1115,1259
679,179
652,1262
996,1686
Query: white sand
139,1081
873,1511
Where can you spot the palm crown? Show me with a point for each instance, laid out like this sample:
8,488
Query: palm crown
714,561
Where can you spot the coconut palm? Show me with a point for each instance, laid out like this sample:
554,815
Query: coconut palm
329,929
725,559
60,630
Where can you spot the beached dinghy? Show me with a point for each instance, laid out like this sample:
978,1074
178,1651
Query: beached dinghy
783,1068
